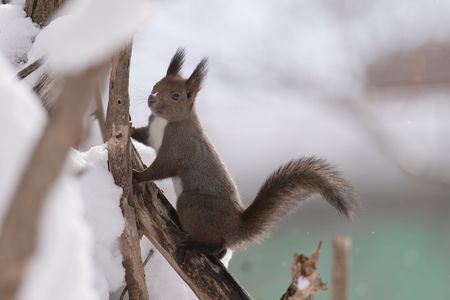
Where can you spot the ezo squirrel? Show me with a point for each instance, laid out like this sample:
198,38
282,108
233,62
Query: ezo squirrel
209,206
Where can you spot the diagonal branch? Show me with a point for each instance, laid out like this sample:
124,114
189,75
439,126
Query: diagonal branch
63,130
22,74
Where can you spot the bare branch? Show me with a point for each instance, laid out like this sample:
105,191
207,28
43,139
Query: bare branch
29,69
306,281
119,143
64,128
149,255
44,88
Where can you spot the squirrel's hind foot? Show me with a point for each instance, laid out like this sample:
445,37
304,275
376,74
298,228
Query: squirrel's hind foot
189,248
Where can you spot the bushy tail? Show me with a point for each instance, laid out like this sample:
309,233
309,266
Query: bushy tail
289,185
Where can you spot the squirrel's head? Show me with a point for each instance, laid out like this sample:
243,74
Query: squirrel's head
173,97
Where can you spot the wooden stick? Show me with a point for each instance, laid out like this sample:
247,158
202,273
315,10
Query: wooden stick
44,88
63,130
341,253
119,143
29,69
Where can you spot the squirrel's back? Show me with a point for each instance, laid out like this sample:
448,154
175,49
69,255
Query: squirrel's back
206,173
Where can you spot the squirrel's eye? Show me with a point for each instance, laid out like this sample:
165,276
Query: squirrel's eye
175,96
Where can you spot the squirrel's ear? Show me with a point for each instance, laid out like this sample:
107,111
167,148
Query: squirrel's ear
194,82
176,63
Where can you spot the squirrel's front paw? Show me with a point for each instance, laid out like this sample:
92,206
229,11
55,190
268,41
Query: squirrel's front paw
137,176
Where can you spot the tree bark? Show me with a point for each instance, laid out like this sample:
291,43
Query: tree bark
44,88
341,249
41,11
119,154
63,130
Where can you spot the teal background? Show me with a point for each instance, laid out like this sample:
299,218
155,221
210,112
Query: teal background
399,255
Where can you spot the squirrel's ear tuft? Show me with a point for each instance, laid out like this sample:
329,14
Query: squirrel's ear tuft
194,82
176,63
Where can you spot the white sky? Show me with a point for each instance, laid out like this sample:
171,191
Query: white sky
278,71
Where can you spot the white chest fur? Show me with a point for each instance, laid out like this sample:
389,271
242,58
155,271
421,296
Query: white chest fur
157,127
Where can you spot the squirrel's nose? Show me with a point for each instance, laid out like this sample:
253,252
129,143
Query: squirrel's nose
152,97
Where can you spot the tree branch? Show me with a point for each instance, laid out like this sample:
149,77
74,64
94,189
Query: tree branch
306,281
63,130
119,151
22,74
44,88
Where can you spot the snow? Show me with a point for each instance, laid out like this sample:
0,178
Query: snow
303,283
27,117
16,33
78,251
61,266
101,198
88,32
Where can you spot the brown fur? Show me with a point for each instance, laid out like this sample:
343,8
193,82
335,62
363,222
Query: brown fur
209,206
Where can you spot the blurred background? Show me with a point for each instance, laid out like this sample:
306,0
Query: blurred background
364,84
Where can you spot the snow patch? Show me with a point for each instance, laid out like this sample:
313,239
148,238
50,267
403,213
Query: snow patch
303,283
16,33
88,32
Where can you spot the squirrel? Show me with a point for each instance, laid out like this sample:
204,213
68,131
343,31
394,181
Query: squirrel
208,205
